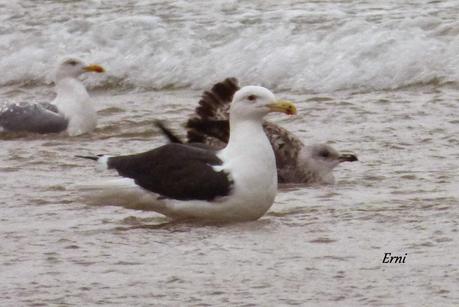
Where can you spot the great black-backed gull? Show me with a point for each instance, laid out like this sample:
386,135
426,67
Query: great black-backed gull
237,183
71,111
297,163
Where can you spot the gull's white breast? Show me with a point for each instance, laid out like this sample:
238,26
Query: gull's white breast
74,103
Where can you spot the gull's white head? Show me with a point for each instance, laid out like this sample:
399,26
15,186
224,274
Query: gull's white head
254,102
72,68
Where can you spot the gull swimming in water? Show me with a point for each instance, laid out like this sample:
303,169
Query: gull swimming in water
236,183
297,163
72,111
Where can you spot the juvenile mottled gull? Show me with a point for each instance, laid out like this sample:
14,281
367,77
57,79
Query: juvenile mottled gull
296,162
71,111
236,183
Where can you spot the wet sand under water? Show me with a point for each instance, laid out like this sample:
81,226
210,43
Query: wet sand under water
317,245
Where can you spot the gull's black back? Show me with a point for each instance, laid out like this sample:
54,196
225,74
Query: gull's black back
176,171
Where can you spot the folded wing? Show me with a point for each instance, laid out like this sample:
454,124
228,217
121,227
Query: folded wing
38,118
176,171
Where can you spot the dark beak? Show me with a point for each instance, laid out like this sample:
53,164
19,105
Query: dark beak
348,158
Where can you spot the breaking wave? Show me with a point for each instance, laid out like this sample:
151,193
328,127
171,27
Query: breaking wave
172,45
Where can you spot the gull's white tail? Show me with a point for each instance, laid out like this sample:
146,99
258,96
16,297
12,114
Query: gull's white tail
122,192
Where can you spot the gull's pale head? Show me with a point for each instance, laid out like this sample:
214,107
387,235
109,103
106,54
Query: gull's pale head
254,102
319,160
324,158
73,67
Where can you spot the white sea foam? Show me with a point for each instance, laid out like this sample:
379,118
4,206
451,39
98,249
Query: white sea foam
306,48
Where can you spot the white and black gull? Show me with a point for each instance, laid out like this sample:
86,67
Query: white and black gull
297,163
72,111
236,183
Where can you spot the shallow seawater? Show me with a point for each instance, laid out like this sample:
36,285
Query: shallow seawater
380,80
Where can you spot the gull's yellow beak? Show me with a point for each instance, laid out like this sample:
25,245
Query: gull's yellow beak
94,68
283,106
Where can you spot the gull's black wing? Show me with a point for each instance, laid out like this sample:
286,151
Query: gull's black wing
176,171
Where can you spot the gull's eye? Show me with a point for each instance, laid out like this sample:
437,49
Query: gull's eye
324,153
72,62
252,97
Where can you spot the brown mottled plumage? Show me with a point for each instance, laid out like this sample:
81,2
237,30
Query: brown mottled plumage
211,125
296,163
